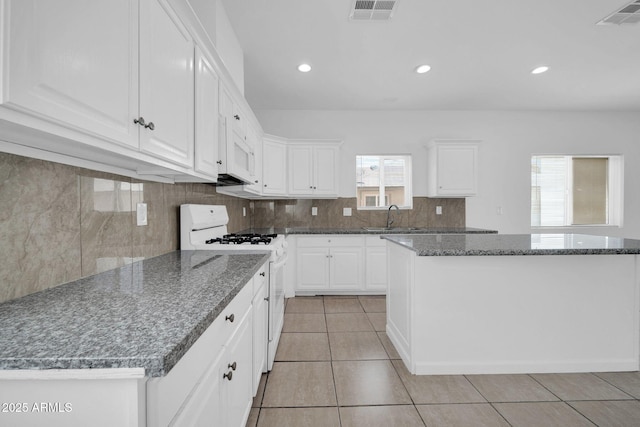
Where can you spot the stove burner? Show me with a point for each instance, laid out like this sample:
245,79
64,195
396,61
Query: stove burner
238,239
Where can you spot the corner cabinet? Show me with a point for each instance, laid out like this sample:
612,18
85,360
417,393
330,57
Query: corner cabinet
313,168
452,168
274,166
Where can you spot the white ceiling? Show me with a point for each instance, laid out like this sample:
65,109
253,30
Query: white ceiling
481,53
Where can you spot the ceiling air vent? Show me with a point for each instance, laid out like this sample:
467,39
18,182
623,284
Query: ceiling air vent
628,14
372,10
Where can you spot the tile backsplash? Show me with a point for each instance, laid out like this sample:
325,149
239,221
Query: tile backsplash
297,213
59,223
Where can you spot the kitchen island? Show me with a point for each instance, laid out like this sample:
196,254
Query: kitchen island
491,303
130,346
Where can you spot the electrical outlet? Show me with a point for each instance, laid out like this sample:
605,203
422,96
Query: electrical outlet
141,213
438,210
346,211
244,211
314,211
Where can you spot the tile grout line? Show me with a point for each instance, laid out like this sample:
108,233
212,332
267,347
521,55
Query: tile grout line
333,374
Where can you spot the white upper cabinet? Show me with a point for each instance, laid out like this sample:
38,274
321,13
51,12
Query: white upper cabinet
206,125
313,169
274,167
235,153
166,84
452,168
74,63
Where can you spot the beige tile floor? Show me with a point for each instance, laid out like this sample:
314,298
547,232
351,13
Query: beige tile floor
335,366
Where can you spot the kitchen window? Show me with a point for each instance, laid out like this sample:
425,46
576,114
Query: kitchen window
576,191
383,180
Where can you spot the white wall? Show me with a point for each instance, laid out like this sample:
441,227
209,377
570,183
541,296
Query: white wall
509,140
228,46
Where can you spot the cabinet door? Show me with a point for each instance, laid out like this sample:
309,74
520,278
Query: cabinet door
74,62
346,268
166,84
238,387
204,407
376,270
325,180
254,141
300,170
206,123
456,170
260,339
312,268
274,167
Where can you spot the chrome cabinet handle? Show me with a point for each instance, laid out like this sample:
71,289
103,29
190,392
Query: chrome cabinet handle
228,375
140,121
230,318
150,126
262,274
237,117
232,366
219,162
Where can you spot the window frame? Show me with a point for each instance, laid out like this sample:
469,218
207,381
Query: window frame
615,192
408,186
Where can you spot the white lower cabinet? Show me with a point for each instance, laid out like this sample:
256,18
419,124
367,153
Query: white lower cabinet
213,383
376,261
260,324
340,264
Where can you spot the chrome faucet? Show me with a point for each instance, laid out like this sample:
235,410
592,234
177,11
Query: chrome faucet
390,219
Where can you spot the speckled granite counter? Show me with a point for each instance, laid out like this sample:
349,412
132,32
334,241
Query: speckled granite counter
146,314
372,230
515,244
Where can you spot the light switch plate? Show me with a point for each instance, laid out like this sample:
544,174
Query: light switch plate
141,213
244,211
314,211
346,211
438,210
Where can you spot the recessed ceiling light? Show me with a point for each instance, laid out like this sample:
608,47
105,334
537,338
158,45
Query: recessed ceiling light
540,70
421,69
304,68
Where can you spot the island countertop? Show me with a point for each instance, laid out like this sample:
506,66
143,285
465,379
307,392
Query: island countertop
514,244
142,315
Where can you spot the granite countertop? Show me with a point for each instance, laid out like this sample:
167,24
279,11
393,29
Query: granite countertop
143,315
371,230
515,244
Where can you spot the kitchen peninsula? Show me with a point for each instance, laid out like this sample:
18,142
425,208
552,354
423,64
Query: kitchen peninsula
144,344
492,303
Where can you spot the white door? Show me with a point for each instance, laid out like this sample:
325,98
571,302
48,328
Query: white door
313,268
346,268
274,167
260,339
300,170
325,171
206,123
166,84
238,384
89,82
457,169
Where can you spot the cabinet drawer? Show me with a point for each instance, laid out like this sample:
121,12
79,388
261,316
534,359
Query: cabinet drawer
329,241
227,322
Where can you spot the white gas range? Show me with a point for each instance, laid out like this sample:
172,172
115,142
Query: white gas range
204,227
